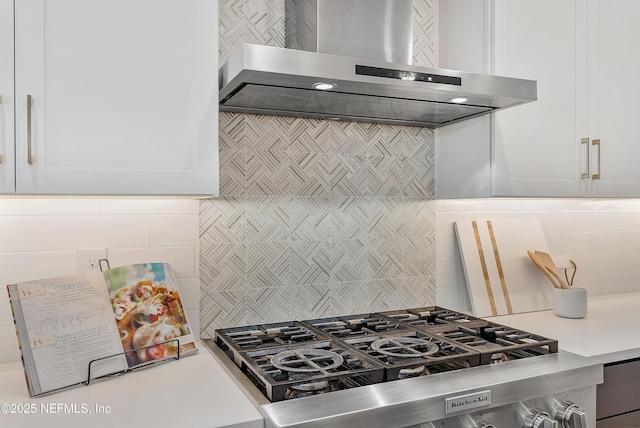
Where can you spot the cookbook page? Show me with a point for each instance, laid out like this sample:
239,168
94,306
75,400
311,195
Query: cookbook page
149,312
65,323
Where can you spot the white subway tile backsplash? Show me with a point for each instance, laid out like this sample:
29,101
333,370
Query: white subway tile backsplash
48,206
614,272
173,230
47,233
610,204
588,273
190,293
17,267
63,263
621,282
563,243
160,206
594,242
594,221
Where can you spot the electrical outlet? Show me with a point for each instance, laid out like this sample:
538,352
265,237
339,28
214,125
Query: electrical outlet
89,258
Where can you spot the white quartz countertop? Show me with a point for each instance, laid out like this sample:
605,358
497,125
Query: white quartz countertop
194,391
607,334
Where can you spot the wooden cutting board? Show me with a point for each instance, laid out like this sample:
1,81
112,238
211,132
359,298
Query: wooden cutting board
501,279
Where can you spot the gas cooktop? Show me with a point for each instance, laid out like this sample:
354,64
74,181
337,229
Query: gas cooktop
311,357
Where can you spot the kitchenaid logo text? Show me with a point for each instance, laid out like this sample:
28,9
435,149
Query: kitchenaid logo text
468,401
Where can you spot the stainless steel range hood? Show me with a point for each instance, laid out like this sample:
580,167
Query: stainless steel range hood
330,37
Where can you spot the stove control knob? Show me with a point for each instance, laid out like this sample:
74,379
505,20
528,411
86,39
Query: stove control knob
475,422
572,416
539,419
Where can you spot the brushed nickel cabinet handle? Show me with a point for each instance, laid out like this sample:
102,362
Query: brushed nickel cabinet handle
29,155
585,175
596,176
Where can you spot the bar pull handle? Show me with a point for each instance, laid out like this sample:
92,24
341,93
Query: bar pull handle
29,138
585,175
596,176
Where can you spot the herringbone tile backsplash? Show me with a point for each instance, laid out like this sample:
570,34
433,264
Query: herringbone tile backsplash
315,218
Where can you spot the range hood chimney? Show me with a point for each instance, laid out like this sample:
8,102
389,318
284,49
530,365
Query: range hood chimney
351,60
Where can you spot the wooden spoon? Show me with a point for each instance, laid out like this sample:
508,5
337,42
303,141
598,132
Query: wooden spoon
547,261
538,262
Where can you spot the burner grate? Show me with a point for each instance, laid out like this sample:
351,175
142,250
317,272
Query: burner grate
295,359
431,318
357,325
415,354
497,343
315,368
307,360
238,339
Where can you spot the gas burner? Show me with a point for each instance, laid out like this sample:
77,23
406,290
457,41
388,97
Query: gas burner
500,357
307,360
308,389
405,347
413,372
312,387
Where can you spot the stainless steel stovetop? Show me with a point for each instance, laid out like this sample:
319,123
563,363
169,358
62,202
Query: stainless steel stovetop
429,367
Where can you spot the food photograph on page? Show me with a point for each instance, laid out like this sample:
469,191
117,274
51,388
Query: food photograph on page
149,312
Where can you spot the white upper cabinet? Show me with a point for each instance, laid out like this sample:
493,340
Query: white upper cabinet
536,150
613,93
7,175
123,97
576,139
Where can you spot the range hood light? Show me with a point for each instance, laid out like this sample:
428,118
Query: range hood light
324,86
459,100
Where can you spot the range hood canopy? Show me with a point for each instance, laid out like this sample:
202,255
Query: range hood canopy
281,81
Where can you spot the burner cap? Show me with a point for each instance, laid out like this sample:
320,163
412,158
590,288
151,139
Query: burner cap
405,347
306,360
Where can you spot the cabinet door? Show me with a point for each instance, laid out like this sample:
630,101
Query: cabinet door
618,394
6,97
614,90
124,96
536,146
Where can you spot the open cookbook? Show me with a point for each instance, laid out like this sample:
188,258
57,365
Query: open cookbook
72,329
